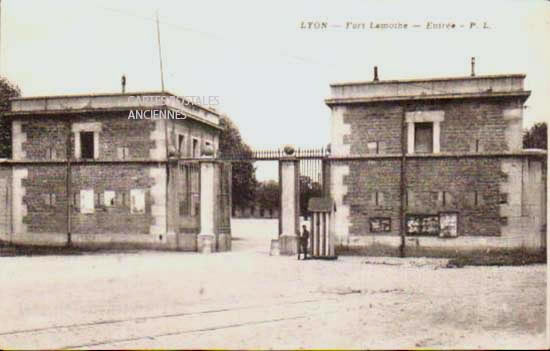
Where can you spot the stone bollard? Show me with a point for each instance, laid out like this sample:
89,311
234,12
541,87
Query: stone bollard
205,243
274,249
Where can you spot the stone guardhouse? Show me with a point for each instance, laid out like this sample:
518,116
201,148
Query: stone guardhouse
434,164
115,170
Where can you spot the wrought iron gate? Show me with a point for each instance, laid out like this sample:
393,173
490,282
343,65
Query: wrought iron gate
188,196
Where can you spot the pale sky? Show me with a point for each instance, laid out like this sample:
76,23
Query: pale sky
271,77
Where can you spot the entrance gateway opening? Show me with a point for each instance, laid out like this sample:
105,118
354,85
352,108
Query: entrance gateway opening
270,193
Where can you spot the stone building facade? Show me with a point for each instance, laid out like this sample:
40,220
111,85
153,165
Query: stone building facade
435,164
108,170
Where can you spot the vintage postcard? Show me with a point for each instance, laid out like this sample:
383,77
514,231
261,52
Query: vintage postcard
292,174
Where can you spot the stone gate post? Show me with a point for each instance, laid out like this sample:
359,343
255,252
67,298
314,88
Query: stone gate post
290,205
206,240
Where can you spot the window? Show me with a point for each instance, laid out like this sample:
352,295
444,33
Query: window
87,201
181,144
208,145
87,145
86,139
380,224
423,137
424,131
196,148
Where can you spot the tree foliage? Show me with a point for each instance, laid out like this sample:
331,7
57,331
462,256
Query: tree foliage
268,195
243,174
7,90
536,137
308,189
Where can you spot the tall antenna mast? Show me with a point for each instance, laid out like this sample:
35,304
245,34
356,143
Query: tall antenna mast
1,52
160,53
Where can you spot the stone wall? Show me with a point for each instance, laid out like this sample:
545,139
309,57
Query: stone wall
491,194
123,168
492,122
427,179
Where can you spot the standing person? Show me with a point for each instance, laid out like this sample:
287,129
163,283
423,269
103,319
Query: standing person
302,242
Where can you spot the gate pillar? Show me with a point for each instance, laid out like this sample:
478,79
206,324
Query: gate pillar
206,240
290,205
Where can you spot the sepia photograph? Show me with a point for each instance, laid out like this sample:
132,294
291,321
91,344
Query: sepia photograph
274,175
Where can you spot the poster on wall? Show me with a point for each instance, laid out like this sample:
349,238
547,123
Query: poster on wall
413,224
86,201
449,224
430,225
380,224
422,224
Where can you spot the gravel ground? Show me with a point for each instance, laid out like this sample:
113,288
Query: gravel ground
248,299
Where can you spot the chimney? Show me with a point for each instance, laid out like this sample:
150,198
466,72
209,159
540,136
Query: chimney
123,82
473,74
375,74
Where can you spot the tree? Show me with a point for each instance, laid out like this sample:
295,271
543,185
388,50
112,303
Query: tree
268,195
244,181
308,189
536,137
7,90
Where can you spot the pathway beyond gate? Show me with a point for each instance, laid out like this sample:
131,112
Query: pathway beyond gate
253,235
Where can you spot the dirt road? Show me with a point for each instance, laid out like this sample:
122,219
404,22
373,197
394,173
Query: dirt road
248,299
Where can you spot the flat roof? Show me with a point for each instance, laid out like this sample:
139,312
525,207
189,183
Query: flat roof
434,88
106,102
427,80
136,93
523,94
